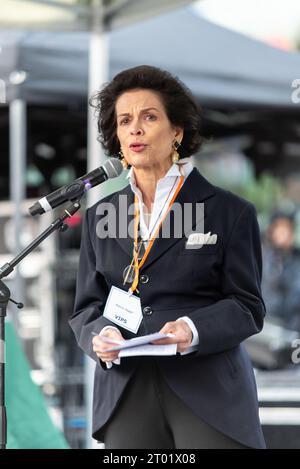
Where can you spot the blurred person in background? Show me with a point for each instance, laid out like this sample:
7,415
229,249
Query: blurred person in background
281,272
203,288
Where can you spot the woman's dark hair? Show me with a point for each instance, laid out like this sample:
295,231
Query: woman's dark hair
181,107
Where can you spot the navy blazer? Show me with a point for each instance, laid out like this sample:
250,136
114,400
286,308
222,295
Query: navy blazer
217,286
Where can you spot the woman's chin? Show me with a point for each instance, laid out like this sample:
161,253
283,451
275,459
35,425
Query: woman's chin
139,164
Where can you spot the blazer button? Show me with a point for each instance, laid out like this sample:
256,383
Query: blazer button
144,279
147,311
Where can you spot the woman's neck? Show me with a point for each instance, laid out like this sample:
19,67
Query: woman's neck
146,180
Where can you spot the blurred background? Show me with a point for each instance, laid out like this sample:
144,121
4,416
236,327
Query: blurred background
241,60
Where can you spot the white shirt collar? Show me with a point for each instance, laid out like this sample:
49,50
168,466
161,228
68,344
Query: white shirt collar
185,163
162,193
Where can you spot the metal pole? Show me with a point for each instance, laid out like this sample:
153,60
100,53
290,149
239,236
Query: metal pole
17,152
98,75
3,419
4,298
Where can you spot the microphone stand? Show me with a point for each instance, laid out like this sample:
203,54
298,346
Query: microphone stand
5,270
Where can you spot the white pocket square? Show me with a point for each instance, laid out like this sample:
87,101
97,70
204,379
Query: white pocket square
201,239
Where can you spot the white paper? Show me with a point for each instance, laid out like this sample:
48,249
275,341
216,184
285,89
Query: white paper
109,340
150,349
141,341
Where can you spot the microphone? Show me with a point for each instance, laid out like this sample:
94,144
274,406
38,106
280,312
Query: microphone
111,169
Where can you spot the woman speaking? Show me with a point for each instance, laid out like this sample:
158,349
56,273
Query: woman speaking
193,275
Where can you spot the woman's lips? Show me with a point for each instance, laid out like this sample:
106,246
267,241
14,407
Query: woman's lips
138,148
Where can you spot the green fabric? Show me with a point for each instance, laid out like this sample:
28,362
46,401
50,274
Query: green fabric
29,424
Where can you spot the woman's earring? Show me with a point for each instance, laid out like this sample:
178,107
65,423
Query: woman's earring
175,155
123,160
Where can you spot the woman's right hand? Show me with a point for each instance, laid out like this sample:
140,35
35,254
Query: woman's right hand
100,347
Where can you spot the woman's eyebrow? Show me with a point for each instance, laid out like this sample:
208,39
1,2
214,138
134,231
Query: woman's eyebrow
150,109
142,110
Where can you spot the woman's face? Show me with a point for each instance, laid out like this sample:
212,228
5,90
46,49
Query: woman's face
144,130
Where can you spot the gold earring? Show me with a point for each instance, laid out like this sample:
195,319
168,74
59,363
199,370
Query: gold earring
175,155
123,160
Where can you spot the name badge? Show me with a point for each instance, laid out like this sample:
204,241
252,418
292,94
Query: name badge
124,309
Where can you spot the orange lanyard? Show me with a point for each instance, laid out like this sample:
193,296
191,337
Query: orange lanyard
137,265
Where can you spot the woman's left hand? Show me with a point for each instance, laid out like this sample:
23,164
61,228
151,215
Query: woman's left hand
183,335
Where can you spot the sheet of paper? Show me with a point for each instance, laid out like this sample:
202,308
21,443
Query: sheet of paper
150,349
108,340
137,341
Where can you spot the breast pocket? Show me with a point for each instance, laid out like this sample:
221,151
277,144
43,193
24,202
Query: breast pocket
195,251
202,267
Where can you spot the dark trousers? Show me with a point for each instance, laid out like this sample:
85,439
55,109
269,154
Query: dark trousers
151,416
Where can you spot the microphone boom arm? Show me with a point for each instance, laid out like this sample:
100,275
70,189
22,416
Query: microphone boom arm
69,193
